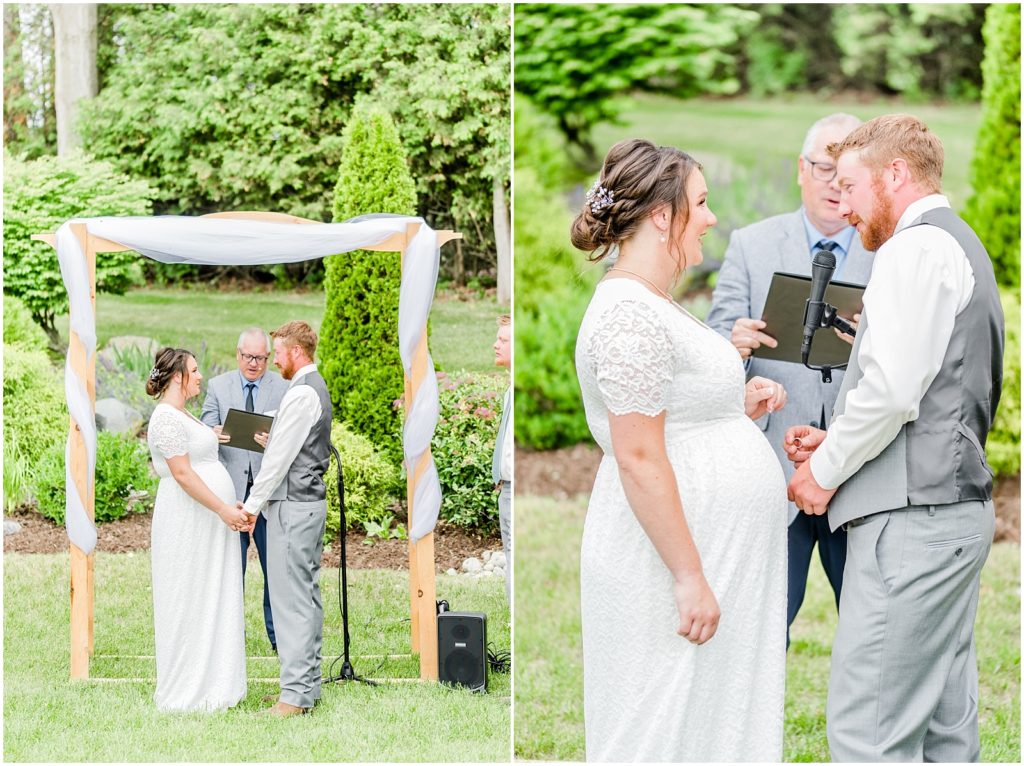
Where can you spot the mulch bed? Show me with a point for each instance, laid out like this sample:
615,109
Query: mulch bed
566,472
452,545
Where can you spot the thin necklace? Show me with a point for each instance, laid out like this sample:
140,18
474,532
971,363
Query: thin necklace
667,296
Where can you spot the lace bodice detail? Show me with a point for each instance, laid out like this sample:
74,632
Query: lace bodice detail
172,433
636,352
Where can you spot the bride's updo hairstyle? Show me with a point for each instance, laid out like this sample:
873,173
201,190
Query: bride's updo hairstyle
168,363
636,178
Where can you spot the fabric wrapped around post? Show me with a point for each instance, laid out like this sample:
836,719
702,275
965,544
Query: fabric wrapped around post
246,242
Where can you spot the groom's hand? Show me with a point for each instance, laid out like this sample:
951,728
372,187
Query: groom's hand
801,441
806,493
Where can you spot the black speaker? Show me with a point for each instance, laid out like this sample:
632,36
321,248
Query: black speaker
462,649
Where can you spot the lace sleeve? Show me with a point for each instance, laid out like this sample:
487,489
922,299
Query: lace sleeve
167,436
632,356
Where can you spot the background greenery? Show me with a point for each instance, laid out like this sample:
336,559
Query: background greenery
549,672
242,106
112,718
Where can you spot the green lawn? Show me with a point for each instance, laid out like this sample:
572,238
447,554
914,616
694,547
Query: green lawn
111,717
462,332
549,684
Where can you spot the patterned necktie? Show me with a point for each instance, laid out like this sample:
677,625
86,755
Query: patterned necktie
826,244
506,414
249,407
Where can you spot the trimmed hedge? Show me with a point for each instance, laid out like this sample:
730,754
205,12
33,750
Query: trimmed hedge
372,483
19,328
358,348
1003,446
994,208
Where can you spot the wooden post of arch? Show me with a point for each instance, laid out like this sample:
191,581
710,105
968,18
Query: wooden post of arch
422,580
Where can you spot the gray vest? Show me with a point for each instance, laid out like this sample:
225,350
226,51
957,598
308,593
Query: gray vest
938,458
304,481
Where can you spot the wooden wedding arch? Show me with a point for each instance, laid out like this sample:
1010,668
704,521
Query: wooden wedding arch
422,582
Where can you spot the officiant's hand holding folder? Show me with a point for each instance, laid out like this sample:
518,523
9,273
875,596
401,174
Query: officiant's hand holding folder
784,319
243,427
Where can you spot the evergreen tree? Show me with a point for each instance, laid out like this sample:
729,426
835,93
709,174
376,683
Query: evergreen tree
359,334
994,208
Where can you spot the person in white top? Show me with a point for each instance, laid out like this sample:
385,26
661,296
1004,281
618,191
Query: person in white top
501,463
902,464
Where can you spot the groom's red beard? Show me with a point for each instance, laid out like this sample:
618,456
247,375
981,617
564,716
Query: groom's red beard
883,222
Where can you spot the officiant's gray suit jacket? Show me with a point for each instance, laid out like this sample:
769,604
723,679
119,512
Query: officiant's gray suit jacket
224,392
756,252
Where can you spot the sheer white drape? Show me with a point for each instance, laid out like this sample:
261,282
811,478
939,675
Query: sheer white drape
221,241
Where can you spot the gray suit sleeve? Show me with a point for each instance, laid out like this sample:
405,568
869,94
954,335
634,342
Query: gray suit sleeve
211,408
731,299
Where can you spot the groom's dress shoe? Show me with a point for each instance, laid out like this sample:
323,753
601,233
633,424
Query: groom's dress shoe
284,710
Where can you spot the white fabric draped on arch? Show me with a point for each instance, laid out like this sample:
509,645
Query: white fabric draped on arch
223,241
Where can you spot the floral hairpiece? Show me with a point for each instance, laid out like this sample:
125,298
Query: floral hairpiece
154,374
599,198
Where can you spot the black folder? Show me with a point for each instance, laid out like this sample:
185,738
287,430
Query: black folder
784,319
241,426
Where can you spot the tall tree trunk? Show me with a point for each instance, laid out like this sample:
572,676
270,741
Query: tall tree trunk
74,31
502,241
15,119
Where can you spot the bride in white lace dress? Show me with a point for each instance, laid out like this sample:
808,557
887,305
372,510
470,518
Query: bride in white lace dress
683,564
197,570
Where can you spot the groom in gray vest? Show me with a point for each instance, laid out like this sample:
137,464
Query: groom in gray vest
902,465
290,492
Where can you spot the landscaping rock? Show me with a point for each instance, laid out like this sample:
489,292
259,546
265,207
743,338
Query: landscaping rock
472,564
498,559
112,415
11,527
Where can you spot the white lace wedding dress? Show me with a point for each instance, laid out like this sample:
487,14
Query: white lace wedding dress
197,576
649,694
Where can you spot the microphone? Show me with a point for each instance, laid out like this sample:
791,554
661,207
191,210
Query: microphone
822,268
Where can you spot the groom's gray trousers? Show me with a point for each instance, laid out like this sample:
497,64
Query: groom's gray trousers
904,680
295,542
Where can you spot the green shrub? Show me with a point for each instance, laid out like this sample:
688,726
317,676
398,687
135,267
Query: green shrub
35,417
41,195
19,328
994,209
358,348
1003,446
124,481
371,482
463,447
551,298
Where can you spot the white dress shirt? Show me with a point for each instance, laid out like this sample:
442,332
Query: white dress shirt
295,417
921,280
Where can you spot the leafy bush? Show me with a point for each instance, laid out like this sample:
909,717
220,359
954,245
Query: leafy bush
35,417
994,209
1003,446
19,329
359,334
124,481
463,447
38,197
371,482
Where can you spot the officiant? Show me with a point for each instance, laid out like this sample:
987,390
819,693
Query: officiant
253,388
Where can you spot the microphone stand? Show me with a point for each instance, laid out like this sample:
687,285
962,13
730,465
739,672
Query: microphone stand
829,318
347,673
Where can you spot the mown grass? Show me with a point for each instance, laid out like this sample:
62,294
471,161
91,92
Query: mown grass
548,671
47,717
461,331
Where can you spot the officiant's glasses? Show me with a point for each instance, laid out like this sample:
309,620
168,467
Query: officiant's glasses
821,171
249,358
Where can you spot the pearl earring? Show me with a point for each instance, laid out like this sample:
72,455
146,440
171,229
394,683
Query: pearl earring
662,237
